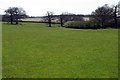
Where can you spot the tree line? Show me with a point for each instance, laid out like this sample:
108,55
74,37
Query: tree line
102,16
107,14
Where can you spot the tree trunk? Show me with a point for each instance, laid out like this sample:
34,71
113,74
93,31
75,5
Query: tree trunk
102,23
49,21
115,17
11,19
61,20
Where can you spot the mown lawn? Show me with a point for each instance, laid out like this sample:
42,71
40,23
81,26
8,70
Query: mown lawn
33,50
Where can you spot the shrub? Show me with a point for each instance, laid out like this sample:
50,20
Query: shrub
82,24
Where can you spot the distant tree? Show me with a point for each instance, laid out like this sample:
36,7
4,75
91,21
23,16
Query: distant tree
116,12
61,20
65,16
9,13
19,13
103,14
115,16
15,13
49,18
119,8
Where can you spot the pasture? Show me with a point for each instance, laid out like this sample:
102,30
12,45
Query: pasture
33,50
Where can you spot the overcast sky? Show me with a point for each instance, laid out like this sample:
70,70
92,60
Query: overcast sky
40,7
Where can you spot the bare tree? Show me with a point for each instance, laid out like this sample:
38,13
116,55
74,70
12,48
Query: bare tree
103,14
9,13
61,19
115,16
119,8
19,13
49,18
15,13
116,12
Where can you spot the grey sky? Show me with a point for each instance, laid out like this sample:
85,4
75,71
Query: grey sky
40,7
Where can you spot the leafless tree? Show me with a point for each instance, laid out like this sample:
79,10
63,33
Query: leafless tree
116,12
15,13
119,8
49,17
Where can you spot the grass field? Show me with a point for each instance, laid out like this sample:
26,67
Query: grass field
33,50
0,50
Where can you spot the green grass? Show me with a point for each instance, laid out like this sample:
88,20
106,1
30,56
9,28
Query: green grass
0,50
33,50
